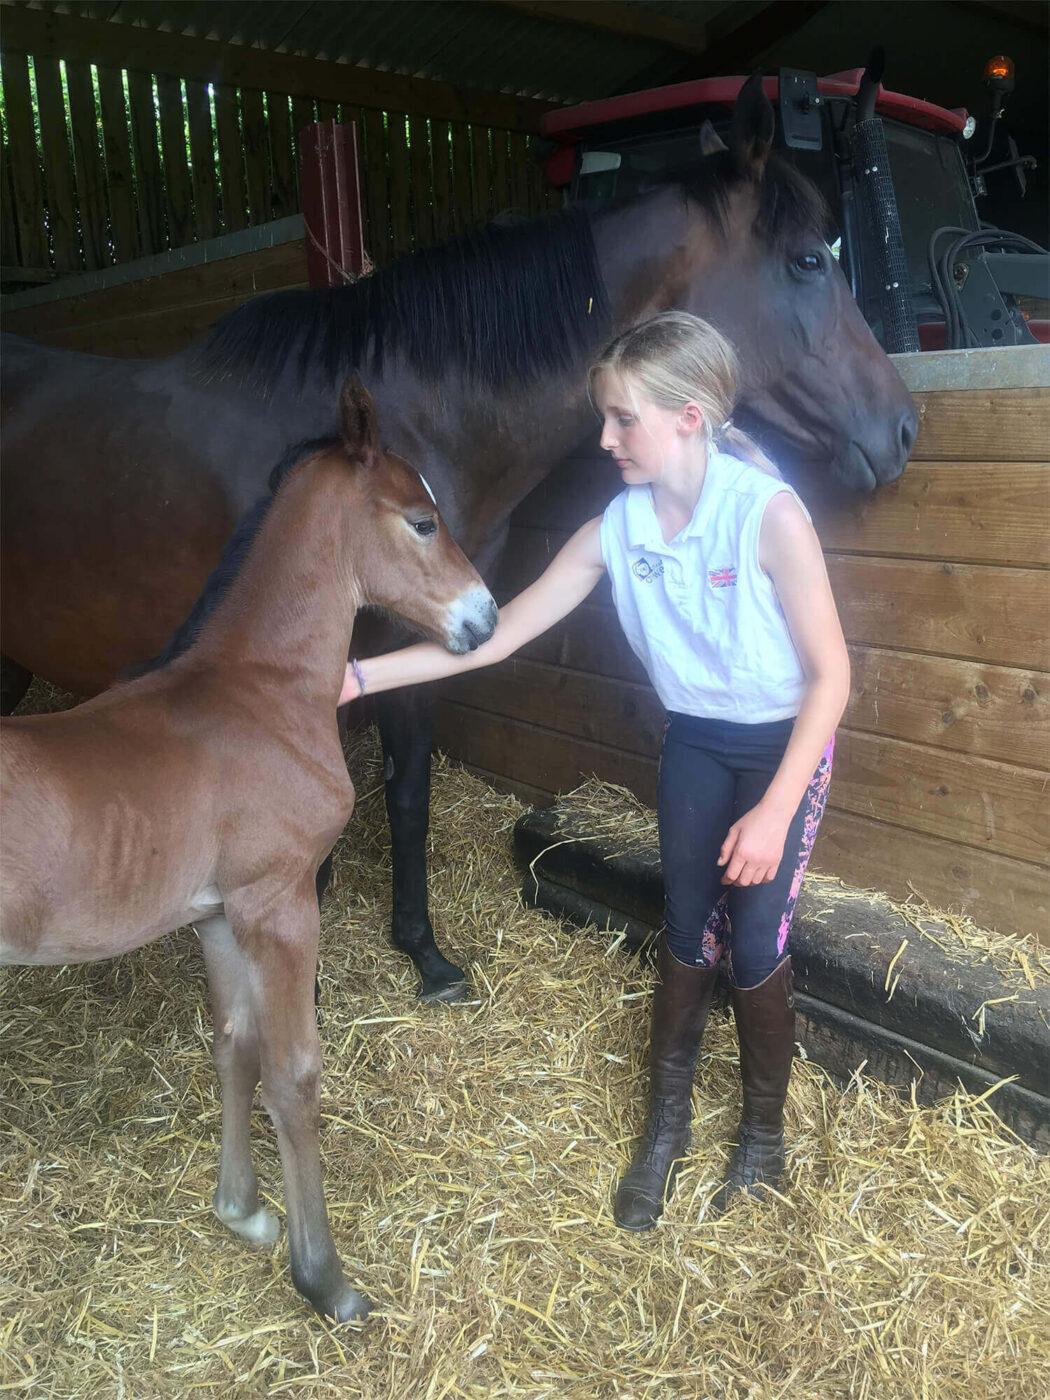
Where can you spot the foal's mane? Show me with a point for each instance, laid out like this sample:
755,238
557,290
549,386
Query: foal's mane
238,547
504,304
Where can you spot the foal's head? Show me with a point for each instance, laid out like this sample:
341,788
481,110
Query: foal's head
404,559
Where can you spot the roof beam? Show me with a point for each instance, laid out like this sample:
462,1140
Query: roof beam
744,47
48,34
634,21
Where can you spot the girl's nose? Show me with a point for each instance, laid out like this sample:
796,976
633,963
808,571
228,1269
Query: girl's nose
607,441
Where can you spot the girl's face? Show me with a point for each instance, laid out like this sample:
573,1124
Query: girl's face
647,442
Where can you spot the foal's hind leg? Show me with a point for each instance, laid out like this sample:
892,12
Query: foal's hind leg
282,948
235,1046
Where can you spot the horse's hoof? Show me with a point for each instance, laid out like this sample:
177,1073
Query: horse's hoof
260,1229
450,992
349,1306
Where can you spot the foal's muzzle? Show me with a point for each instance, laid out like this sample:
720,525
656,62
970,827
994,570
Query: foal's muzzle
472,620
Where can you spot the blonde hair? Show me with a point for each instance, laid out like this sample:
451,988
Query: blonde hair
675,358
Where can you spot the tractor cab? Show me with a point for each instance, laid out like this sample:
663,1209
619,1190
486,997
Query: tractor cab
955,290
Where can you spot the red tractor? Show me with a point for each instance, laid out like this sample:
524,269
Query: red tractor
897,176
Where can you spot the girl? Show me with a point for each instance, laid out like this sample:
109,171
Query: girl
720,587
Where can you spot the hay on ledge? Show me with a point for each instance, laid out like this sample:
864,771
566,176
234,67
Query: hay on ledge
470,1156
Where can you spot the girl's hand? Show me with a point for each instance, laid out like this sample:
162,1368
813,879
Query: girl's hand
754,847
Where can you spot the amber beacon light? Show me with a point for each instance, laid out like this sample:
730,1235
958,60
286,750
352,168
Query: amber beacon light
999,71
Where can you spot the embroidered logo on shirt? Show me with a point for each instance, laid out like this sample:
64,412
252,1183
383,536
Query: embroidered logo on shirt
641,568
724,577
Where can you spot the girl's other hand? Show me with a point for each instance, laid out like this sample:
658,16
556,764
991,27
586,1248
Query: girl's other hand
754,847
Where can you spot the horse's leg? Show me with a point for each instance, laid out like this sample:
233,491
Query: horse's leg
283,953
406,727
14,682
235,1047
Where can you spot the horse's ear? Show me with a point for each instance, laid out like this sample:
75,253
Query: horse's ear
753,127
710,141
357,417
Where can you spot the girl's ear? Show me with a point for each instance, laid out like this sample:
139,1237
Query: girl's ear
691,418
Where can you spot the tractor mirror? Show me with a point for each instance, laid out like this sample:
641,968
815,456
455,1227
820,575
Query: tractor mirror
800,105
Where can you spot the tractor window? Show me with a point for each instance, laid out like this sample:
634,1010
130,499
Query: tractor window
610,170
932,192
625,165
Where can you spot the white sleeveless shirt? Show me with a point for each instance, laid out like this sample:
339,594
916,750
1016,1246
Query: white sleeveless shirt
699,611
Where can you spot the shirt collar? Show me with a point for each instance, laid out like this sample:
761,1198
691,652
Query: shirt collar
643,528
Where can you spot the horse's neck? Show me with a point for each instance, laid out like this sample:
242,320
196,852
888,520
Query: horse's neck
290,611
645,251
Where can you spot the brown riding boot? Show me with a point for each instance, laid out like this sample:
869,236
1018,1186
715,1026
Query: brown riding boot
765,1027
681,1001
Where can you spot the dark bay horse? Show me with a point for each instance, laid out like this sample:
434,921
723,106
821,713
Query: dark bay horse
209,791
122,478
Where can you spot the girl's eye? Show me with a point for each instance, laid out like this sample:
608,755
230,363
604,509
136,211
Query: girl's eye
625,422
424,527
809,262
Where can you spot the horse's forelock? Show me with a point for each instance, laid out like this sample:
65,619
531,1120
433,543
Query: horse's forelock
789,205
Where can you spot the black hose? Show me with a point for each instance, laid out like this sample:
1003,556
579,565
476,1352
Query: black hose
958,334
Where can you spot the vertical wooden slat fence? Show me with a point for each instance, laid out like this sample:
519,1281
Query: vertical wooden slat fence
153,233
140,162
88,162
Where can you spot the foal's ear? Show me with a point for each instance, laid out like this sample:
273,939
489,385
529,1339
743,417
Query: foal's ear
710,141
753,127
357,417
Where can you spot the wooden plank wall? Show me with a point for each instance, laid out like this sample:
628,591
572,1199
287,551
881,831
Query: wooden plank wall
188,172
942,763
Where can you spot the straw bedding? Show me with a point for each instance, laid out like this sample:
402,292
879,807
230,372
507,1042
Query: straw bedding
470,1157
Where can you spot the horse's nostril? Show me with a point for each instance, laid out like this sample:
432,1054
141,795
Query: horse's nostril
909,428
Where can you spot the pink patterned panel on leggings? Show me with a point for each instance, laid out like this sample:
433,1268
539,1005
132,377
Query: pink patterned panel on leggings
816,797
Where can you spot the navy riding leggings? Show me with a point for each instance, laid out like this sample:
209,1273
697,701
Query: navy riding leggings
711,773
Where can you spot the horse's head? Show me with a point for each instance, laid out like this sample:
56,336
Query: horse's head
405,561
816,387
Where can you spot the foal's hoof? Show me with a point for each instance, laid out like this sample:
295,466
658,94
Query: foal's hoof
260,1229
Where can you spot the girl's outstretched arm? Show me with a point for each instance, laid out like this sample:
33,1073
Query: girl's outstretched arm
567,580
790,553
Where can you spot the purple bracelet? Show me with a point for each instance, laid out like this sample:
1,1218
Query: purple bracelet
355,664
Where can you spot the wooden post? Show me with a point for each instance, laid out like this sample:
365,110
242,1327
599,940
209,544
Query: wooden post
331,193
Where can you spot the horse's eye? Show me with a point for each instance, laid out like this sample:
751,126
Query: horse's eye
809,262
424,527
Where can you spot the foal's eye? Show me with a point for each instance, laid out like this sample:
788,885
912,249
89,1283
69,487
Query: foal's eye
424,527
809,262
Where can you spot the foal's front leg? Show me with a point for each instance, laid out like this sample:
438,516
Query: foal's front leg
406,728
282,950
235,1048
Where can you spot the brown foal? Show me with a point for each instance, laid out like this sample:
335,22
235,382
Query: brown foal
209,791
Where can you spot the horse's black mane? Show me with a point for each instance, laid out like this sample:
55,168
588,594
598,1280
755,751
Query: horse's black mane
229,566
504,304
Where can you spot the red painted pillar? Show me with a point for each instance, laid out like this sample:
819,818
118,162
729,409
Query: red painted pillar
331,191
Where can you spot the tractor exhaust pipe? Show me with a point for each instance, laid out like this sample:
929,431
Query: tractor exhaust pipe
872,176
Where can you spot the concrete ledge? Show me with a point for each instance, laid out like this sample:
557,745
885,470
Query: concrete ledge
920,1015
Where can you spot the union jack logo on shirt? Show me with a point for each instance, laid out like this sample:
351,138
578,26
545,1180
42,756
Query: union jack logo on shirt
722,578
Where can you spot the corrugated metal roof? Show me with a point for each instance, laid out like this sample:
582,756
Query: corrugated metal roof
481,44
